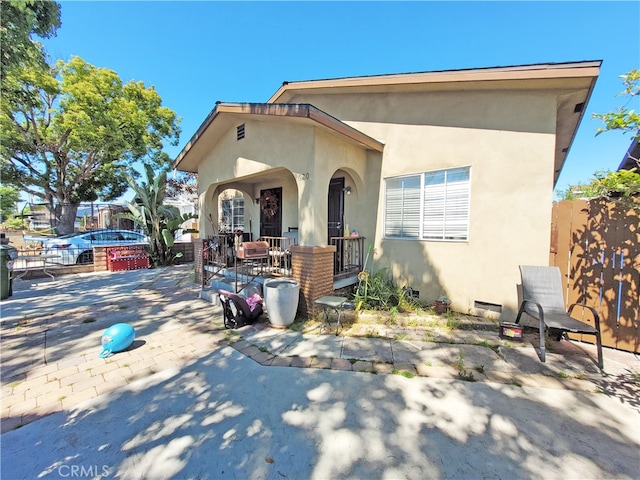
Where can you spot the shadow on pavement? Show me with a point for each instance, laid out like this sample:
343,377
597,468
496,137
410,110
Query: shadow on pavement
225,416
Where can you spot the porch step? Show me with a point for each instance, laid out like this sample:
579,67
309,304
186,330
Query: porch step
224,282
210,296
345,282
230,274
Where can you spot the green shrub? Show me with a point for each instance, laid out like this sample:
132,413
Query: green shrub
380,292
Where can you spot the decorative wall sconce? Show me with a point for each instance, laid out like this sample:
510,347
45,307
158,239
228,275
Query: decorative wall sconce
347,190
257,201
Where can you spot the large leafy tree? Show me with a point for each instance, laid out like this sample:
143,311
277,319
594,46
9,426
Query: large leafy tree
71,133
20,20
8,199
158,221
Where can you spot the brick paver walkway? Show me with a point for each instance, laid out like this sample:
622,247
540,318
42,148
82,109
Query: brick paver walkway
49,354
51,362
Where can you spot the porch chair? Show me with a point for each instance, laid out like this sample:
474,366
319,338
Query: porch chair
237,311
280,250
543,300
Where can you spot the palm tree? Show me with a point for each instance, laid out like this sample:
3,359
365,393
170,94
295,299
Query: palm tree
159,222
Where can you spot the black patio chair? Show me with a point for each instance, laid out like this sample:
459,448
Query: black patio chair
237,312
543,300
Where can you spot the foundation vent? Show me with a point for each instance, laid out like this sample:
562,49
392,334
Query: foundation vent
491,307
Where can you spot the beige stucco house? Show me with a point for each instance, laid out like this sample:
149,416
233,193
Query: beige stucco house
448,175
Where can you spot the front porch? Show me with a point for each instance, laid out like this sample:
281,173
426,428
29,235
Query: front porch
319,270
266,171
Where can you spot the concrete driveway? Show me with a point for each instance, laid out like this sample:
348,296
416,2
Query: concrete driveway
185,404
226,416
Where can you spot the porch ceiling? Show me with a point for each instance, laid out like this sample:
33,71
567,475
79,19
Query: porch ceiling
226,116
246,183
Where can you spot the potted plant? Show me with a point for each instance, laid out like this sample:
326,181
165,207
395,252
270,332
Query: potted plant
442,304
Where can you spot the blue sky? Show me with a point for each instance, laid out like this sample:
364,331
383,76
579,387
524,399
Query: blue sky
196,53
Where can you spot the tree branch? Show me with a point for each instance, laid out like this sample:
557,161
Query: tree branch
27,163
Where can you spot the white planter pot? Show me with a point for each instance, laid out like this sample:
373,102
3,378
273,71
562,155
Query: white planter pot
281,301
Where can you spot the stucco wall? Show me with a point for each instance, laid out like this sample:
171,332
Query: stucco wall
361,171
299,158
266,146
507,138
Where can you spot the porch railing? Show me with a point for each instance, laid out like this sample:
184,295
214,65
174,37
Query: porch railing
218,253
349,256
279,260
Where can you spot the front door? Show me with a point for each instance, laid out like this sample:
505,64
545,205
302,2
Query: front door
271,212
336,218
336,208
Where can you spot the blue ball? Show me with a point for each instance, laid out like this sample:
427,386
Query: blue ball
116,338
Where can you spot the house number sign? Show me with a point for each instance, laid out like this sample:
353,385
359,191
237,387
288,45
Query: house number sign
303,176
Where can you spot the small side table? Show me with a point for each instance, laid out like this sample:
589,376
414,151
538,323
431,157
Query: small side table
331,303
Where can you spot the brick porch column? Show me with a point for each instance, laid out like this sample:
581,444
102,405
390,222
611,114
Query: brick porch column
312,268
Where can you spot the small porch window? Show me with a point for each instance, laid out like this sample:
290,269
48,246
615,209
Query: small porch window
232,214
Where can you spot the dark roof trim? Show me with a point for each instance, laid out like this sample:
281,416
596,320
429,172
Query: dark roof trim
630,158
581,111
530,71
291,110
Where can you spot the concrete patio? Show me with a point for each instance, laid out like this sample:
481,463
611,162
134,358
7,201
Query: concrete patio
50,368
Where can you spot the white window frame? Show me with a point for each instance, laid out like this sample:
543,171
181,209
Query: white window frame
401,220
448,222
234,220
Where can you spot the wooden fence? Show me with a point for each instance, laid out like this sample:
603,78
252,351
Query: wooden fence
186,248
596,246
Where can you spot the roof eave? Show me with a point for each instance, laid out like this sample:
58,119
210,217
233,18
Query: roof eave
280,110
520,72
592,84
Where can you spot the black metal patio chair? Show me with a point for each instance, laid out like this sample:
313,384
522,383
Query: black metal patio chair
543,300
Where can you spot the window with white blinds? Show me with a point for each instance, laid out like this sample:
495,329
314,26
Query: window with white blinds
446,205
402,207
431,206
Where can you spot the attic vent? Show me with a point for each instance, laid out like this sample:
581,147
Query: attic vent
240,132
578,108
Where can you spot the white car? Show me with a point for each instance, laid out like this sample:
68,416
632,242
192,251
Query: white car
77,248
